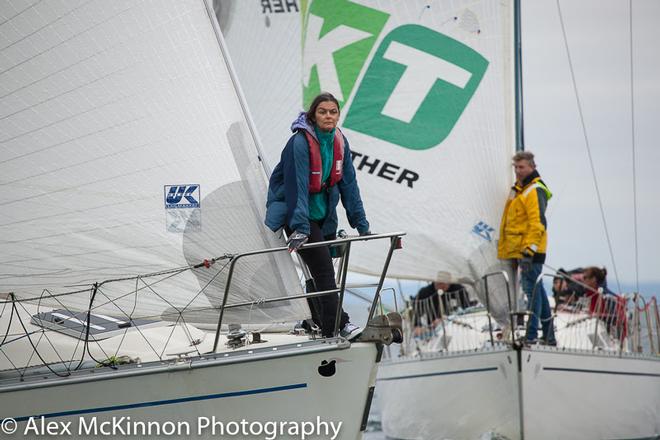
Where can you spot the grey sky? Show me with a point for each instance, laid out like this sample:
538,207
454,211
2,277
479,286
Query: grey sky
598,34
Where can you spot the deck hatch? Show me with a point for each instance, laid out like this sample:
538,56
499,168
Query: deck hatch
75,324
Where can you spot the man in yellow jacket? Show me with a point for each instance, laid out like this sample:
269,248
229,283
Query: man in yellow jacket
523,241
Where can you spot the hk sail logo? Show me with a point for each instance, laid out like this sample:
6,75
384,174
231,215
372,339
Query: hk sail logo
183,212
484,230
181,196
415,87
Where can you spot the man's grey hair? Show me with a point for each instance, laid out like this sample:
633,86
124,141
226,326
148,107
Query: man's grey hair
524,155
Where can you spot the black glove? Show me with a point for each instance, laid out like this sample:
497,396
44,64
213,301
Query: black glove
526,260
296,240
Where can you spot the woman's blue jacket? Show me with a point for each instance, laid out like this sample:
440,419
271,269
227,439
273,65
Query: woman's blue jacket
288,189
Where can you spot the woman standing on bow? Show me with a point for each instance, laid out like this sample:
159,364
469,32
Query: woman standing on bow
314,172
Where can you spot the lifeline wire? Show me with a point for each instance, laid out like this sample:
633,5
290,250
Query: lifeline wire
96,288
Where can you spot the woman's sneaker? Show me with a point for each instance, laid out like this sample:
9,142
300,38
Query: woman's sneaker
350,331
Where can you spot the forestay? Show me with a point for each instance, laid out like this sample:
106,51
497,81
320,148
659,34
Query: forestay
125,152
427,94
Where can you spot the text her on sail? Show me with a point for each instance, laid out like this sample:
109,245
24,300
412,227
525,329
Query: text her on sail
383,169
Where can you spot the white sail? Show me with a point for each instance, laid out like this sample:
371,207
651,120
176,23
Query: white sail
125,151
267,55
427,94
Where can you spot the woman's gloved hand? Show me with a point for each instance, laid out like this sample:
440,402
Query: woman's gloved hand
296,240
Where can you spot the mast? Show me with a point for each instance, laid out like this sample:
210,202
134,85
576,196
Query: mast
520,132
520,146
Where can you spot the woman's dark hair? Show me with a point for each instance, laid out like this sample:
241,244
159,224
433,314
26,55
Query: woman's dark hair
569,287
323,97
597,273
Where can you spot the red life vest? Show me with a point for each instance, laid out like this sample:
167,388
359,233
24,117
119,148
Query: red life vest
316,163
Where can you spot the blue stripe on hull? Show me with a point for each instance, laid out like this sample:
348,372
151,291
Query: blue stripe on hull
165,402
443,373
621,373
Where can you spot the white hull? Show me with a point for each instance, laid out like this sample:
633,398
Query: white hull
586,395
557,394
450,395
282,385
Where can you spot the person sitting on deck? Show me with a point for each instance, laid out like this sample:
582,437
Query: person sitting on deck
566,287
437,299
605,304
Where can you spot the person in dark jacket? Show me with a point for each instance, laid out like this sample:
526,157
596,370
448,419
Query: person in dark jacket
437,299
314,172
566,291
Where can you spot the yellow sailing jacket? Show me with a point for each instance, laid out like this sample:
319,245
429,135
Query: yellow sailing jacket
523,221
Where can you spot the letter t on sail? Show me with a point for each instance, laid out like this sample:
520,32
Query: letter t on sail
422,71
318,51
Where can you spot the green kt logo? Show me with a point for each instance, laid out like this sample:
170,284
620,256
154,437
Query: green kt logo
416,87
338,36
